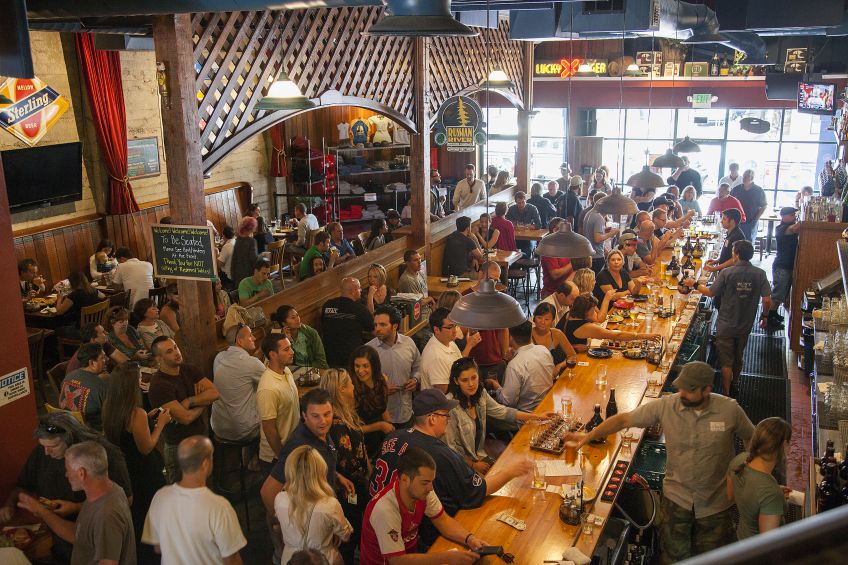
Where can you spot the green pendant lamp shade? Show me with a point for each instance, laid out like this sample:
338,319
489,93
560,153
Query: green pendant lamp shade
284,95
487,309
420,18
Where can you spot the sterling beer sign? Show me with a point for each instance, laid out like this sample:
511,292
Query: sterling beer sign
459,125
28,108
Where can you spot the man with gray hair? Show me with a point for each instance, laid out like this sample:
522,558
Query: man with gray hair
103,531
237,373
187,522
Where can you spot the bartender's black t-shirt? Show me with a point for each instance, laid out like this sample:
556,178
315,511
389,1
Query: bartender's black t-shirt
342,323
787,244
733,236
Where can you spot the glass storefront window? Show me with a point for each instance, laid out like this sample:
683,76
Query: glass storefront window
546,155
800,164
501,153
759,157
771,115
550,122
701,123
806,127
502,121
609,122
635,157
649,124
706,163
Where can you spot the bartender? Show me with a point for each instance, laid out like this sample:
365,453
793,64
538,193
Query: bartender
786,235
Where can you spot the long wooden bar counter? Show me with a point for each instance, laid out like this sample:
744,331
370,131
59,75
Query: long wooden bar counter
546,536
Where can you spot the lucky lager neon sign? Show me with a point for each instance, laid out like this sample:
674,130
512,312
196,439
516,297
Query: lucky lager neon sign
566,68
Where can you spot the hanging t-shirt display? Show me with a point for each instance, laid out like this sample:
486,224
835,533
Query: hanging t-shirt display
344,133
381,126
360,132
400,134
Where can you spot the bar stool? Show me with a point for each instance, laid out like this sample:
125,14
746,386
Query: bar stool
519,279
225,450
532,264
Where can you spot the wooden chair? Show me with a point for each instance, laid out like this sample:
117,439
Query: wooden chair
121,299
158,296
94,314
310,237
36,361
358,248
277,250
56,374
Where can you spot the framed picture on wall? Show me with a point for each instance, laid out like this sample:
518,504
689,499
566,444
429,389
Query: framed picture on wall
143,157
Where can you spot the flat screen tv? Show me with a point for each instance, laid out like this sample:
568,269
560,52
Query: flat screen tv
816,98
43,176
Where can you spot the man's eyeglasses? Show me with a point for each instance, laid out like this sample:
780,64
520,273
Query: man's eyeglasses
449,327
446,416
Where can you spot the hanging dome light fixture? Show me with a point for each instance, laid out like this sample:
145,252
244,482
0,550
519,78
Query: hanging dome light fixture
668,160
616,204
497,79
686,145
284,95
646,178
564,244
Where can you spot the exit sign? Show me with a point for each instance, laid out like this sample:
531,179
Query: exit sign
702,100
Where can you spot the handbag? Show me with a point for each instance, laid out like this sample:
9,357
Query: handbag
252,317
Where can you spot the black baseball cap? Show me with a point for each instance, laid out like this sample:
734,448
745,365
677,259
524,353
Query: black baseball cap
432,399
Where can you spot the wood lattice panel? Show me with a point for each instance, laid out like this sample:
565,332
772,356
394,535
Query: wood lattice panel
237,54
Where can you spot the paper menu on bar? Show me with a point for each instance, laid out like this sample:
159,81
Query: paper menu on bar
559,468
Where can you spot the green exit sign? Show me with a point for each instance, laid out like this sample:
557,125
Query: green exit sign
702,100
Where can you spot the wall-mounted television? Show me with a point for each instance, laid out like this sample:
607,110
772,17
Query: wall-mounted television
43,176
816,98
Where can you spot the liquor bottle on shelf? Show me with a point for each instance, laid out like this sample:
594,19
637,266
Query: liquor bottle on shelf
724,69
827,495
612,405
594,422
688,267
673,267
714,66
698,250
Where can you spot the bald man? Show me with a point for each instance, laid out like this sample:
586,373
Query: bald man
649,246
346,323
187,522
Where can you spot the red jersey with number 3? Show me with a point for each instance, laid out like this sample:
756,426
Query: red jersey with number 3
389,529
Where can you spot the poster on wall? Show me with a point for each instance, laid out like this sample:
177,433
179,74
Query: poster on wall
13,386
29,107
183,252
459,125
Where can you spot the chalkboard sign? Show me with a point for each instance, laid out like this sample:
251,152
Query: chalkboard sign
183,252
143,157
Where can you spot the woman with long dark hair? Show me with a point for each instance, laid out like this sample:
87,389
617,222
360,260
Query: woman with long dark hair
377,236
103,261
544,333
466,431
70,305
750,483
307,344
371,391
582,324
127,425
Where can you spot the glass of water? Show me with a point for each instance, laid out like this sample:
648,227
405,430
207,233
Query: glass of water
601,378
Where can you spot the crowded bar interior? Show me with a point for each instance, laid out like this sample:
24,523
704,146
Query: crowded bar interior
423,281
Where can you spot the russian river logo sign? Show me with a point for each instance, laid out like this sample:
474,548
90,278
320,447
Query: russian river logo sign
459,125
28,108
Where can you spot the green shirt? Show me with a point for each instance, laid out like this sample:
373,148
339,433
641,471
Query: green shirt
755,493
248,288
311,253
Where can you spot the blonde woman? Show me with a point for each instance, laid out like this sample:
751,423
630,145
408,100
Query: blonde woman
310,516
585,280
615,277
379,293
502,182
689,200
349,437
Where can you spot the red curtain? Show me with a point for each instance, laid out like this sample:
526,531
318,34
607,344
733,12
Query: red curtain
278,159
102,73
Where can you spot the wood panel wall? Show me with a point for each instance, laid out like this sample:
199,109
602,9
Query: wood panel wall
64,247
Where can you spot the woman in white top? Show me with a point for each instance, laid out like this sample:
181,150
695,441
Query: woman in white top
310,516
103,260
149,325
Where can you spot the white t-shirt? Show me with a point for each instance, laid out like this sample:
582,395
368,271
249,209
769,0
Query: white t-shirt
306,224
192,526
327,523
136,277
560,310
225,256
730,181
344,131
436,361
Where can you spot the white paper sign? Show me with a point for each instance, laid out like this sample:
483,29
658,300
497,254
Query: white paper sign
13,386
370,196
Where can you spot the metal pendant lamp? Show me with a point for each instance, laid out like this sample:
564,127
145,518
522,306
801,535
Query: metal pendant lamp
487,309
497,79
617,204
686,145
646,179
754,125
284,95
420,18
668,160
564,244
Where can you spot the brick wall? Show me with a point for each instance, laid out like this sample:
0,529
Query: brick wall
55,61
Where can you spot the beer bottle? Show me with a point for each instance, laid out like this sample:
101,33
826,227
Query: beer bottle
594,422
714,66
687,247
843,467
612,406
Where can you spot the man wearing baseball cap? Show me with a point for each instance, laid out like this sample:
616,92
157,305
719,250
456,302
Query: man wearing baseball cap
569,205
786,235
456,484
627,243
565,175
699,428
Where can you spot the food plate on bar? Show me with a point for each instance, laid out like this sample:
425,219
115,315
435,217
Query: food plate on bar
623,304
599,352
614,319
634,353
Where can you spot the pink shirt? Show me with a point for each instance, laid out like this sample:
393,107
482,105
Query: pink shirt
506,239
550,283
717,205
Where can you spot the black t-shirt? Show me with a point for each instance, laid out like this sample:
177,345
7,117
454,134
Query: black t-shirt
647,205
456,484
458,247
164,388
727,249
45,476
605,277
752,200
303,436
787,245
80,298
570,207
342,323
686,178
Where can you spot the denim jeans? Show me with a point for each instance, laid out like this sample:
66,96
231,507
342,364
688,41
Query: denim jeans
781,284
749,229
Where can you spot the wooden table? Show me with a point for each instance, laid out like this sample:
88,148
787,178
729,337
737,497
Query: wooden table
770,219
529,234
436,286
284,233
546,536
